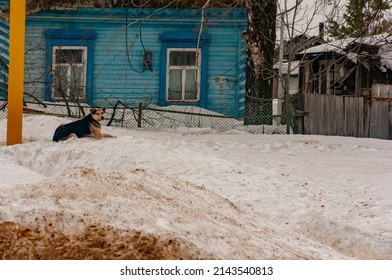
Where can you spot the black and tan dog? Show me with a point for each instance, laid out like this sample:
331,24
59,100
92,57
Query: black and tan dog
89,126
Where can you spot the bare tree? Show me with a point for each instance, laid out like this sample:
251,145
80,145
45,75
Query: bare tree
261,36
303,26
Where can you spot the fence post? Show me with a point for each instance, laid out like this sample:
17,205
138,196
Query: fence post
113,113
139,115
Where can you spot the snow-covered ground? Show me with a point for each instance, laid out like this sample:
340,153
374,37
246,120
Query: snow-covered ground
194,193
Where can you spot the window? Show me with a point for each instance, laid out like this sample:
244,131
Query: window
69,72
183,75
184,68
69,64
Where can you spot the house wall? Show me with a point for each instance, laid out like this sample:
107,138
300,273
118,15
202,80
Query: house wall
4,51
118,74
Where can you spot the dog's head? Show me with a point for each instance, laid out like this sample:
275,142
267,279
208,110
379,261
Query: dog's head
98,113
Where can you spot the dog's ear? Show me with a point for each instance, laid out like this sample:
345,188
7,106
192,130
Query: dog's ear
103,109
93,110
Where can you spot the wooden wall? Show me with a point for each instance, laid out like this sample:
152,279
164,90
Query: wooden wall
114,78
356,116
4,52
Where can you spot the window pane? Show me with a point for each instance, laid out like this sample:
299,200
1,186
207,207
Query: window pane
60,81
175,87
183,58
191,85
69,72
76,82
69,56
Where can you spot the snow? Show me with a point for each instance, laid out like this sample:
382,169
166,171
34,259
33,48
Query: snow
194,193
294,67
339,45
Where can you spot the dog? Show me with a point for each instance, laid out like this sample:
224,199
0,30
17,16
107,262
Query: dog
89,126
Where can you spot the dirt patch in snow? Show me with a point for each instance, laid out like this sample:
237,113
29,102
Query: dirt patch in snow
21,242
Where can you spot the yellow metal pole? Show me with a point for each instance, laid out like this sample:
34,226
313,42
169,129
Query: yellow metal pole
16,71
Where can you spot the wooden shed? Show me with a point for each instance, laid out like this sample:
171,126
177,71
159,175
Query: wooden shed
347,87
159,56
348,66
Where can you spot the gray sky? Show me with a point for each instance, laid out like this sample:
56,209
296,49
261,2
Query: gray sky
309,14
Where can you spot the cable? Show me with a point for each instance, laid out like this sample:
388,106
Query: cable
144,49
127,46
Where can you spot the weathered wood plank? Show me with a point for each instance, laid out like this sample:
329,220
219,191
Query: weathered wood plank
355,115
312,114
347,117
339,115
329,115
306,116
309,108
384,120
361,114
379,120
382,91
390,121
321,115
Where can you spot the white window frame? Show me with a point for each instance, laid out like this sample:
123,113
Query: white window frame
83,65
183,68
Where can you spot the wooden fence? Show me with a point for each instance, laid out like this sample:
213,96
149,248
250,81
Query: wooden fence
357,116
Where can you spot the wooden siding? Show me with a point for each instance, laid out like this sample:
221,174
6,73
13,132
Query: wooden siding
4,4
4,56
113,77
4,50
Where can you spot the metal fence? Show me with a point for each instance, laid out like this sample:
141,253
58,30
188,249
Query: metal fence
169,117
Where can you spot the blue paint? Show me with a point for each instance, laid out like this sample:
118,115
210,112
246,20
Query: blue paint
4,54
4,4
113,73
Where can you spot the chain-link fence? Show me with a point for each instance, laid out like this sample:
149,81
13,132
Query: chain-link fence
173,117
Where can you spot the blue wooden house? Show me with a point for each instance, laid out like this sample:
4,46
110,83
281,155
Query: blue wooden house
159,56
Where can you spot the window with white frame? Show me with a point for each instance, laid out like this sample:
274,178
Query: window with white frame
69,69
183,75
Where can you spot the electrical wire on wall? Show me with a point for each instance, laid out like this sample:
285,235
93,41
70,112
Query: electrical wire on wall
129,47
